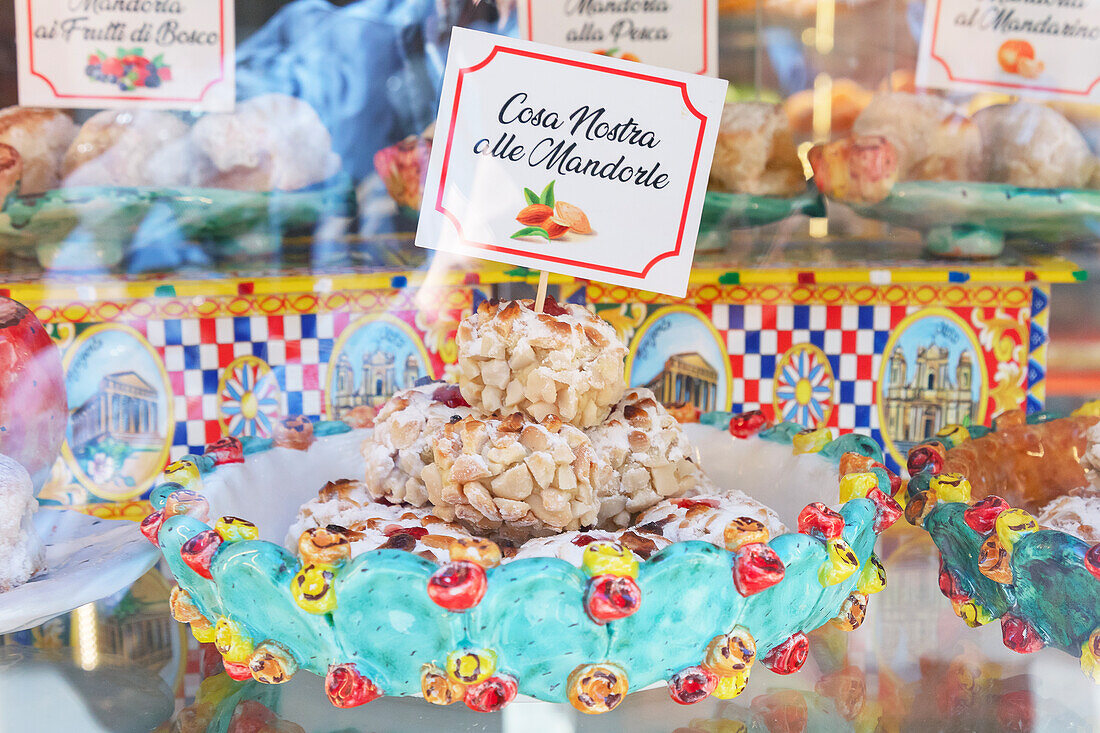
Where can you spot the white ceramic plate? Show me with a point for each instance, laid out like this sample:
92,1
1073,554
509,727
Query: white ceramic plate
87,558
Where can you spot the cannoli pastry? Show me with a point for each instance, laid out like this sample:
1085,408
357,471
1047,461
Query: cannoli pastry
933,142
512,471
1033,146
564,361
21,554
644,458
400,447
708,517
755,152
569,546
346,508
1026,465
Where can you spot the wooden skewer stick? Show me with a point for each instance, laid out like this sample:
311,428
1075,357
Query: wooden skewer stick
540,296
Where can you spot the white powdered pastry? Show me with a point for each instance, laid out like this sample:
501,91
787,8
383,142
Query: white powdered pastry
569,546
400,446
565,361
644,457
933,141
21,552
705,517
1033,146
375,525
513,471
1078,513
270,142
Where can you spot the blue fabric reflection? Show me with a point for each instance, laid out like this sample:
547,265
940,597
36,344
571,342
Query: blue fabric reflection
371,69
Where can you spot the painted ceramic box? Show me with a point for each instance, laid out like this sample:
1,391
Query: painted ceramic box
157,369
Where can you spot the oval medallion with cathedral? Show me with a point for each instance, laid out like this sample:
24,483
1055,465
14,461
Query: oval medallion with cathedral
374,357
932,374
679,354
120,417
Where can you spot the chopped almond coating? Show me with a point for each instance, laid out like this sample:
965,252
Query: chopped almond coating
400,448
644,458
511,471
565,361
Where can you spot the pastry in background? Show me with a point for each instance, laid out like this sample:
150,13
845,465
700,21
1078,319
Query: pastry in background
933,142
1034,146
403,167
126,148
755,153
271,142
21,553
11,170
41,136
855,169
847,98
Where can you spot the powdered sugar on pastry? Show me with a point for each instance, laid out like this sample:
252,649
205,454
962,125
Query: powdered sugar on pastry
644,458
705,517
376,525
569,546
1078,513
514,471
565,361
21,553
400,447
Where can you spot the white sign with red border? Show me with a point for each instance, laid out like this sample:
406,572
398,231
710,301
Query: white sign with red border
1048,49
674,34
166,54
570,162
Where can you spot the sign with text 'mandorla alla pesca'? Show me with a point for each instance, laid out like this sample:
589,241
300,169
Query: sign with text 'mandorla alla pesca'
1047,49
166,54
570,162
675,34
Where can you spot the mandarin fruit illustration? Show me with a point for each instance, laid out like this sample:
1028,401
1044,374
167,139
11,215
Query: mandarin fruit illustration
544,216
1017,56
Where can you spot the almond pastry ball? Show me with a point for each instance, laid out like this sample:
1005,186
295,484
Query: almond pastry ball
644,458
565,361
400,447
513,471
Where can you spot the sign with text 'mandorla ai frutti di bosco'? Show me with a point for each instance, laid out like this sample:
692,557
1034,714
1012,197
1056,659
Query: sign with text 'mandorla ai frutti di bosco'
165,54
570,162
674,34
1046,49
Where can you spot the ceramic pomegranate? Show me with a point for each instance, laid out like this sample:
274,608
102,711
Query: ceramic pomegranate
33,407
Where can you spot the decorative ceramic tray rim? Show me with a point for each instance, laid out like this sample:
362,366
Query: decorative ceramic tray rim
531,632
1011,569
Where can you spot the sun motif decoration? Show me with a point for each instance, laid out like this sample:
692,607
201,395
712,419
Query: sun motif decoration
248,398
804,386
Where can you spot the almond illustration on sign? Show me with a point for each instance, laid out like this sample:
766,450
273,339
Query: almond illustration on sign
1017,56
546,217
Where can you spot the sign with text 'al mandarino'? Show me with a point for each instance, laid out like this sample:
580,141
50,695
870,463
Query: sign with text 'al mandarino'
1047,49
166,54
570,162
